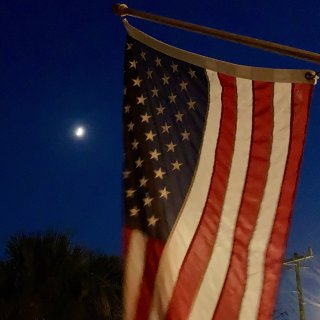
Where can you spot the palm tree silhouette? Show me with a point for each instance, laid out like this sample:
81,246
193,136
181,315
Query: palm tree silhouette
46,277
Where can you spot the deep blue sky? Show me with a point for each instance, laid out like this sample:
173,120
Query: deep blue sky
61,64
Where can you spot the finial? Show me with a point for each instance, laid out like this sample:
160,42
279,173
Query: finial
119,9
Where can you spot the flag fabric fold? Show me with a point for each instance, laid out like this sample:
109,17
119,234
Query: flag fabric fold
212,156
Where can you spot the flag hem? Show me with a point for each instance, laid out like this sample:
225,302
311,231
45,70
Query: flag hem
240,71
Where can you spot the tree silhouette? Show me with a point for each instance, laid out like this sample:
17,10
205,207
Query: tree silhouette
45,277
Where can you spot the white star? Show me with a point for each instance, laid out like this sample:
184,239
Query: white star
149,74
129,46
154,154
143,181
158,62
191,104
143,55
150,135
172,98
141,99
179,116
174,67
183,85
165,79
176,165
130,193
134,211
145,118
152,221
192,73
130,126
171,146
155,92
133,64
185,135
160,109
127,108
147,201
126,174
136,82
139,163
135,144
164,193
159,173
165,128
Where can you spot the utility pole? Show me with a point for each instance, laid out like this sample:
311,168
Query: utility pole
296,261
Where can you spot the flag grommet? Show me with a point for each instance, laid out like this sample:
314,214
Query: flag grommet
310,75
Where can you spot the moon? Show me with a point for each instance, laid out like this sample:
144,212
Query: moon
80,132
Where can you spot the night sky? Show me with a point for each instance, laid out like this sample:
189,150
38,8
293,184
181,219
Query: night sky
61,65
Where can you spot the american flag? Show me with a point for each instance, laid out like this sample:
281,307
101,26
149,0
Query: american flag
211,165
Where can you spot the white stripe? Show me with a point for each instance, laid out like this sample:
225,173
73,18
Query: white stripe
178,244
134,267
258,245
212,284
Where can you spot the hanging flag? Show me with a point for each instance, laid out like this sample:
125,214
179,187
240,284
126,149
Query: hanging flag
212,155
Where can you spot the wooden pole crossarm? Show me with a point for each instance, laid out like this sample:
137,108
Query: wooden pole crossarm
123,10
298,258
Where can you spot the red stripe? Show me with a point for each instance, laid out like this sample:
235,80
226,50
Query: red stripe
199,252
301,95
259,160
153,254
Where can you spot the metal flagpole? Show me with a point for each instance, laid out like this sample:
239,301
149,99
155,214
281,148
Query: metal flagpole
123,10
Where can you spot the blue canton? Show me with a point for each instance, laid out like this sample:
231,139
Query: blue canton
165,108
